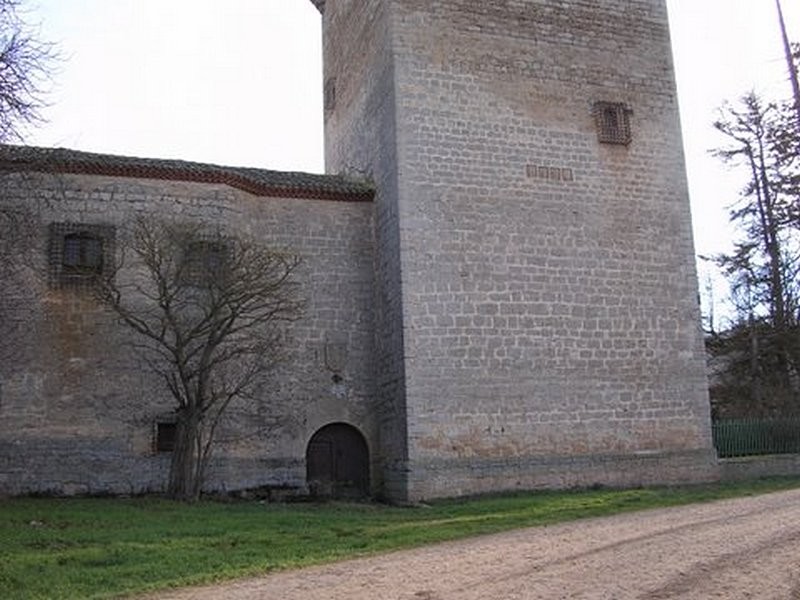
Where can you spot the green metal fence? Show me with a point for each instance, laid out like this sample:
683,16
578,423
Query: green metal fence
752,437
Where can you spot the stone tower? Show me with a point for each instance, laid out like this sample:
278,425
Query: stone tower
537,314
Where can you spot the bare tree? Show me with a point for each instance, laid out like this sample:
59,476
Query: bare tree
208,313
790,54
20,270
26,64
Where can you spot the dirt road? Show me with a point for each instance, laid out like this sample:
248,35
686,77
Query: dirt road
744,548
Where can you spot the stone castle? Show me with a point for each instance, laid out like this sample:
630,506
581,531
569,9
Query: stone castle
500,281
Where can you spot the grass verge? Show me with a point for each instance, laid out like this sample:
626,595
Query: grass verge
101,548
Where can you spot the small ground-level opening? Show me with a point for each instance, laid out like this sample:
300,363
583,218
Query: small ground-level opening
337,462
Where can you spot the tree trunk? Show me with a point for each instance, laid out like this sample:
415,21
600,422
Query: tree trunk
184,479
755,371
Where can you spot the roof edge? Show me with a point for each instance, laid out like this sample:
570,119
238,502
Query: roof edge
259,182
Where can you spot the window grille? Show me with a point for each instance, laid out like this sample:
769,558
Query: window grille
78,253
613,122
205,262
82,253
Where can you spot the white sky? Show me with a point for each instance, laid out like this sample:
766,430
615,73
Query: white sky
239,82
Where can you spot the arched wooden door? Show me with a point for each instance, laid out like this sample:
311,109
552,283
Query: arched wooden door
337,462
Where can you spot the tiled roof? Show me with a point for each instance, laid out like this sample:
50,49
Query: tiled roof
260,182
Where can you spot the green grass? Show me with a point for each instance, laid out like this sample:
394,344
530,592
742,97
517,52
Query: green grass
101,548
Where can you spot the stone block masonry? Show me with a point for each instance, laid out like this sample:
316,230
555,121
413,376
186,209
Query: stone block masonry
361,138
79,409
514,307
547,289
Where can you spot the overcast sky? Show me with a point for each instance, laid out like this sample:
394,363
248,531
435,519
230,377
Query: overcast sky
239,82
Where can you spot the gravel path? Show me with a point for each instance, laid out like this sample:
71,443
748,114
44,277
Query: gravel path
743,548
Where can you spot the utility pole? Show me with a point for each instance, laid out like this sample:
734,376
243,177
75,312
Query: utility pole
787,48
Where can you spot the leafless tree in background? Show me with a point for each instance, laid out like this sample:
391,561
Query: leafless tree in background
26,65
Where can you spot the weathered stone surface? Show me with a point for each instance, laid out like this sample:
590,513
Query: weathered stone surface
541,283
516,309
78,406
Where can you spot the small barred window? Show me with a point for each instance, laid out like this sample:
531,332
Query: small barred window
613,122
165,436
205,262
83,253
79,252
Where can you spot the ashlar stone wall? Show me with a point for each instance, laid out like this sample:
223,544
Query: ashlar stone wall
537,215
361,139
78,407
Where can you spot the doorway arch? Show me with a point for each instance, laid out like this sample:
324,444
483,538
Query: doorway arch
337,462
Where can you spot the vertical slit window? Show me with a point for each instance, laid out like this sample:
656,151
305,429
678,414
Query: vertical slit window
329,95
